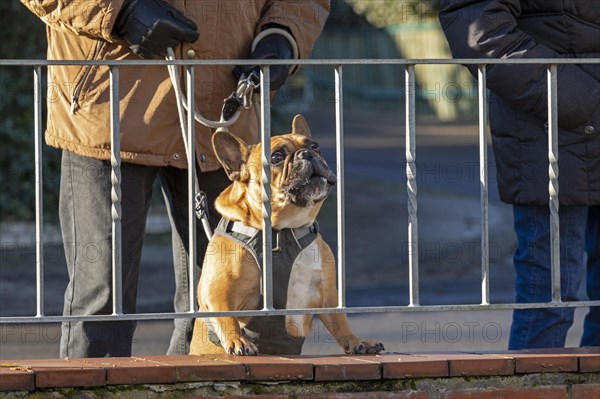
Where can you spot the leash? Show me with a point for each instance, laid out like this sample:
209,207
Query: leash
243,98
240,99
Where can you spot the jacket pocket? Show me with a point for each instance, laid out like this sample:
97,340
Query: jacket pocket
84,77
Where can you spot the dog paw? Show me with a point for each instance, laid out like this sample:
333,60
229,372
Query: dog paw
365,346
241,347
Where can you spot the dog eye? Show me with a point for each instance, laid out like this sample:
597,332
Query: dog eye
315,147
277,157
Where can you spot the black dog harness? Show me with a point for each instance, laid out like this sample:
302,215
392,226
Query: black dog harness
289,243
269,332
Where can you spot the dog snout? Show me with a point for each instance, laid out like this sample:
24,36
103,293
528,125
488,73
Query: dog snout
305,154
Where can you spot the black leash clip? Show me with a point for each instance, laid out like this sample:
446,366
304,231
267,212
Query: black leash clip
201,205
231,105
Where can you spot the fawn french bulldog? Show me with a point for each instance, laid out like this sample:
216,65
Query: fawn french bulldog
303,264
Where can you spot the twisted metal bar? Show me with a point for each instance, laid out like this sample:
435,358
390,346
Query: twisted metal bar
265,133
115,178
192,182
553,184
483,185
411,185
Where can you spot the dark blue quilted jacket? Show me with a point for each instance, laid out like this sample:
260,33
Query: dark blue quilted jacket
518,103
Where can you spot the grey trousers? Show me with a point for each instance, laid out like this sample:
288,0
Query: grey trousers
85,218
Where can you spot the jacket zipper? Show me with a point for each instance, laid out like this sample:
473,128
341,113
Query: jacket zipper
80,83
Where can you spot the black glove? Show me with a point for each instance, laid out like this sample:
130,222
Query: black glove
150,26
271,47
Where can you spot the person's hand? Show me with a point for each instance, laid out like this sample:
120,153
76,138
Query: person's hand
273,47
151,26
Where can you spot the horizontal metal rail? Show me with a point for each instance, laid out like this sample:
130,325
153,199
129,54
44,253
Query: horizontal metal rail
331,62
282,312
414,298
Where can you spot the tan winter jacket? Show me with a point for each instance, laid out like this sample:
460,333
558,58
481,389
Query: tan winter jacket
78,97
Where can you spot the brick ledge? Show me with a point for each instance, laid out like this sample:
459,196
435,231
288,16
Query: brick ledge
32,375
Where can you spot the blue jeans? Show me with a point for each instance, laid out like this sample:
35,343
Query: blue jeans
591,324
579,233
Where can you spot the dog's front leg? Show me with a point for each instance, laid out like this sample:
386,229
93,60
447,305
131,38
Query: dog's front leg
337,323
230,281
228,330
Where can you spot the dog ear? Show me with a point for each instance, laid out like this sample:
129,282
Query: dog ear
232,152
300,126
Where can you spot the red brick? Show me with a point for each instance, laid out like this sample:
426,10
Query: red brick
466,364
368,395
202,368
58,373
555,359
563,351
408,366
588,357
343,368
545,363
553,392
589,362
585,391
132,370
16,379
268,368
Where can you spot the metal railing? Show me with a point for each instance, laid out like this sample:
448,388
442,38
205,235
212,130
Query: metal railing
411,175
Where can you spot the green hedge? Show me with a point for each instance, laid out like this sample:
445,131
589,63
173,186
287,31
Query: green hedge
23,37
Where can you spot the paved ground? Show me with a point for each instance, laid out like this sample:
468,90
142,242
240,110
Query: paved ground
376,250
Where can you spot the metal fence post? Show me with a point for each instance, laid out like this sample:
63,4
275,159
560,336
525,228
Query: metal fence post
115,162
39,191
265,137
553,181
191,159
341,206
483,185
411,186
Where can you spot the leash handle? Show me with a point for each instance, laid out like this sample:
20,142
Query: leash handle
240,99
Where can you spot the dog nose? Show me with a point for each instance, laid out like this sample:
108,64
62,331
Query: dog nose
304,154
